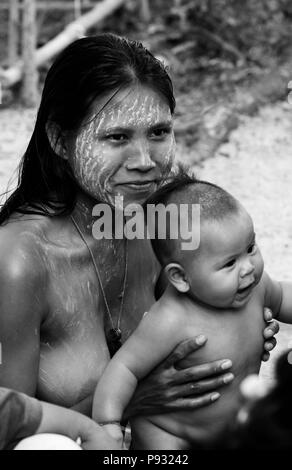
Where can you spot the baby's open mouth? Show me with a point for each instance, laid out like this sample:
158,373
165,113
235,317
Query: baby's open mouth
246,289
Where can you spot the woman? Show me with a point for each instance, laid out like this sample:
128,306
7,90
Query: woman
104,130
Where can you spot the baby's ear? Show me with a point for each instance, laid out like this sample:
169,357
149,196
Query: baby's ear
56,139
177,277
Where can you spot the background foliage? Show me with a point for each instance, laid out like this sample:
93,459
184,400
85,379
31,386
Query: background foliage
232,51
194,35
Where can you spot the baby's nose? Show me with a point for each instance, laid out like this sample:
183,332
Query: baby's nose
247,268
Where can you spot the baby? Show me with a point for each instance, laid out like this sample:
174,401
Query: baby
218,290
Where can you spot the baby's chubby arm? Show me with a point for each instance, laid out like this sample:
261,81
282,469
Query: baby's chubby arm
278,297
156,336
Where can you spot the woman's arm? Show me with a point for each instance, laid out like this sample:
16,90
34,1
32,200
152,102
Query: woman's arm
20,417
21,313
278,296
285,313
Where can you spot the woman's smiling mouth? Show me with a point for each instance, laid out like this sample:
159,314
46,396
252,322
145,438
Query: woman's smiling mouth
139,185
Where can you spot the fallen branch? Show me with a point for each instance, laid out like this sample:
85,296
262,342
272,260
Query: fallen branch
185,46
221,43
73,31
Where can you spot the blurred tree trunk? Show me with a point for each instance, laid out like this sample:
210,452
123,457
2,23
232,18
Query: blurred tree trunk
73,31
145,11
77,9
13,29
29,89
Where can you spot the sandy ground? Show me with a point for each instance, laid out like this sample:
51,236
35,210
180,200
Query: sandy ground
255,165
15,129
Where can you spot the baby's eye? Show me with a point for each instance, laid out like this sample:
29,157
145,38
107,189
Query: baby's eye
230,263
252,249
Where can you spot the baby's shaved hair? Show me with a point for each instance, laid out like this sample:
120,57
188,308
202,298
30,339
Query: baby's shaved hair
184,188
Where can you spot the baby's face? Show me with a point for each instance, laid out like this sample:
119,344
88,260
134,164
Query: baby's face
228,264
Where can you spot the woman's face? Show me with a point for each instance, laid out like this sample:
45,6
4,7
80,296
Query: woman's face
125,148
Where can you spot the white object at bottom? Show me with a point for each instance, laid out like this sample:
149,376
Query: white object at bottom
47,442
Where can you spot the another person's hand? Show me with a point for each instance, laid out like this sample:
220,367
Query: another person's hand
269,333
172,387
90,436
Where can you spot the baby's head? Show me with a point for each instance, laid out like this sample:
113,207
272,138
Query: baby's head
227,264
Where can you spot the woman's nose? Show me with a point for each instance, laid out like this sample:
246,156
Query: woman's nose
247,268
140,158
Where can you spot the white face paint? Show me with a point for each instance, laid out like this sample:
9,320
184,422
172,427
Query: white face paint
125,149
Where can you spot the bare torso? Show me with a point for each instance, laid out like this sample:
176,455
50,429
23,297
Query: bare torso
71,316
236,334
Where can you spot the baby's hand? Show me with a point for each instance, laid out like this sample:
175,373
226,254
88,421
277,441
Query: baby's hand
114,430
95,437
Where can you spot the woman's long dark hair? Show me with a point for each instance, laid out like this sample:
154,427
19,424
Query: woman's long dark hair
87,69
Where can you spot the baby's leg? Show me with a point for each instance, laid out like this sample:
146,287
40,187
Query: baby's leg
148,436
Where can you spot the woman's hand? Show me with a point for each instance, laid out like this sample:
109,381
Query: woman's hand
270,331
170,387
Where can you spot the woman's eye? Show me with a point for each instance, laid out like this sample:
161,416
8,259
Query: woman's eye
229,264
252,249
117,137
160,133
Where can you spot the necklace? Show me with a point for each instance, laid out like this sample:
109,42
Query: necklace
114,335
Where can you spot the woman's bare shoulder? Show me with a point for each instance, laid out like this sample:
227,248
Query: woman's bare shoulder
20,247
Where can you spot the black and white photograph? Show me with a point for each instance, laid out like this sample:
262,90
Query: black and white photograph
146,227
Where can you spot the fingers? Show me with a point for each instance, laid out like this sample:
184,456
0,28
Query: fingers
268,315
265,356
270,341
193,403
199,388
195,373
269,345
271,330
184,348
